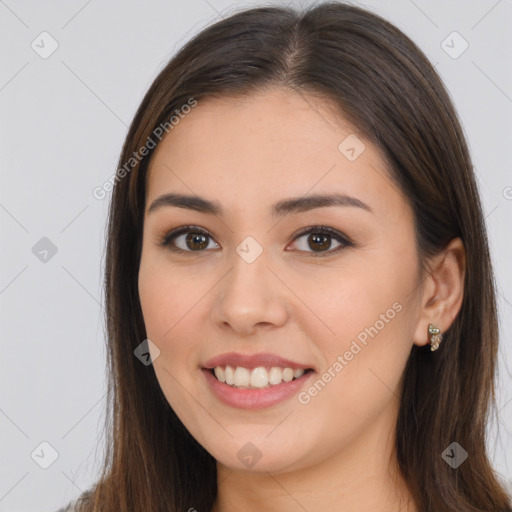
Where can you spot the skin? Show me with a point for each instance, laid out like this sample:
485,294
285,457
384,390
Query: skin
337,451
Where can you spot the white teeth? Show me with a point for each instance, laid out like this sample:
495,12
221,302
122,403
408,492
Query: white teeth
242,376
275,376
229,374
219,373
298,372
259,377
287,374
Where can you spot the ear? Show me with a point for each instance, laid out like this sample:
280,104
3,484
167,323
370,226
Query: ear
442,291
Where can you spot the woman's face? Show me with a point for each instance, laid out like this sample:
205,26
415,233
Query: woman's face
247,280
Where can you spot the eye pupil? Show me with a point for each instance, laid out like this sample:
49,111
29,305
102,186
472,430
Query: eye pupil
197,238
319,238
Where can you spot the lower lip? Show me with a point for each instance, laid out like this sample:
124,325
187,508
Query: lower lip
254,398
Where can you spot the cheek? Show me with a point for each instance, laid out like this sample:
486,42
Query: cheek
173,310
344,303
362,363
168,318
363,313
155,302
165,297
164,309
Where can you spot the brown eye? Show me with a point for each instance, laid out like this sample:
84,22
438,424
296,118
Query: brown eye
196,241
187,239
319,242
320,239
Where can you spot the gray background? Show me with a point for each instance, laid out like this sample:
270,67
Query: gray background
63,121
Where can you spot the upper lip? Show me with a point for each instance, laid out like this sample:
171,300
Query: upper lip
235,359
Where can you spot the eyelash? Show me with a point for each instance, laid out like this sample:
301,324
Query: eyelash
168,238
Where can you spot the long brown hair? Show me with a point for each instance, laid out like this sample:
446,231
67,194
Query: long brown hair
384,85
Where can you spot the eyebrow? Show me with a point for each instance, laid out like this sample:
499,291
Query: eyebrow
280,209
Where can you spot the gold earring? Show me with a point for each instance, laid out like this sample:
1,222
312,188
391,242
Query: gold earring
435,337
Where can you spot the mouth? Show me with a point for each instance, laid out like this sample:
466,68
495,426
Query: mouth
255,381
260,377
255,388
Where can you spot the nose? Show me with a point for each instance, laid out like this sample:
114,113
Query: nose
250,297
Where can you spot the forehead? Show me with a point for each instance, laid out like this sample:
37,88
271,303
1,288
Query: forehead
267,146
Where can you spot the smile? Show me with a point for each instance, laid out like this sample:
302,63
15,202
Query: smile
248,397
256,378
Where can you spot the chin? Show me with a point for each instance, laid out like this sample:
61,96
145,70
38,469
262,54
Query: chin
241,454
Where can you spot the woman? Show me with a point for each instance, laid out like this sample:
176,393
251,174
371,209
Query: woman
300,303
